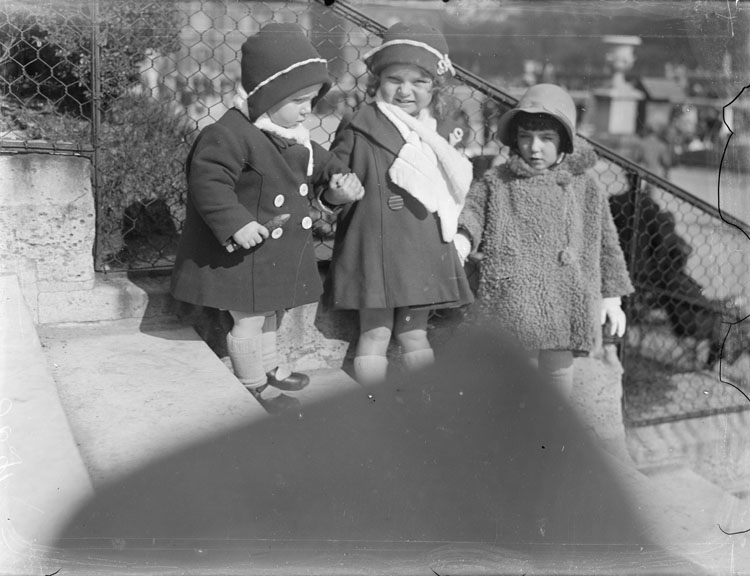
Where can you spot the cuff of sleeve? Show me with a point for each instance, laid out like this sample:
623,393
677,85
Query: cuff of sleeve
463,230
324,206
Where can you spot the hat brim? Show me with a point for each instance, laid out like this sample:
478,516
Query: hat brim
402,54
286,85
505,123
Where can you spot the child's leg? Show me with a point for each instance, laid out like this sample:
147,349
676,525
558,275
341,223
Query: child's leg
245,348
557,367
268,339
277,375
411,333
375,329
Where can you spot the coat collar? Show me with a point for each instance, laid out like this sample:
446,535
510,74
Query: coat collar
372,123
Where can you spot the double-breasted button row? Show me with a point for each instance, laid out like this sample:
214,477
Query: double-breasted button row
279,200
306,224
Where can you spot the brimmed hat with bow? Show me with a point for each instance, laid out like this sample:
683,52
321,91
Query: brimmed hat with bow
414,44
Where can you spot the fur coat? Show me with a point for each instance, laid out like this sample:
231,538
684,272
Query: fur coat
551,251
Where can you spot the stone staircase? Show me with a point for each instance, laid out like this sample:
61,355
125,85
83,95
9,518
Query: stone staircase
84,403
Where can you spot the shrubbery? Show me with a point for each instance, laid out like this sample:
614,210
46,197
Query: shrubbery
46,60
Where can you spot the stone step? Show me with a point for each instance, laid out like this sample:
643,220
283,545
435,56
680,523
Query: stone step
42,476
716,446
686,513
134,393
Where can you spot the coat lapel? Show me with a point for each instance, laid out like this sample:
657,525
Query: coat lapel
374,125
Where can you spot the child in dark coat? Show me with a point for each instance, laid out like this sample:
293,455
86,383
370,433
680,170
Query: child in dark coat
393,258
247,245
552,268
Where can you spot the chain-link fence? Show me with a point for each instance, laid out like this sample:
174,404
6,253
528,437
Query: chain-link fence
130,82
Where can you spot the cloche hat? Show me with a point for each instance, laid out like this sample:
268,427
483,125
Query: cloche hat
416,44
278,61
547,99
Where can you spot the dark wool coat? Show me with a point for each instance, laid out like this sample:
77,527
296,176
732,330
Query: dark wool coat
388,251
551,251
238,174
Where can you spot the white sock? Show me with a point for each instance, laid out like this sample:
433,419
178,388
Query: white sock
268,344
370,370
247,361
418,359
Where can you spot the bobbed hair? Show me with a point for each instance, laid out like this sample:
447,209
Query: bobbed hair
537,121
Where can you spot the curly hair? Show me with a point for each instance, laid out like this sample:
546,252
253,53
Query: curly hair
441,105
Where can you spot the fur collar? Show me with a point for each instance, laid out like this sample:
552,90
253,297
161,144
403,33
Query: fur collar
299,134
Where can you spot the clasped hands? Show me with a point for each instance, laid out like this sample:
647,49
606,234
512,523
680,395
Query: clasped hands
342,188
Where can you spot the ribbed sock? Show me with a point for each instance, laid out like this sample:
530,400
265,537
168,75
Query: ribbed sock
247,361
370,370
418,359
268,346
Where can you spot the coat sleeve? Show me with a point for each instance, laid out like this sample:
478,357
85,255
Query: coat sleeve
326,164
615,277
214,166
472,218
339,162
343,143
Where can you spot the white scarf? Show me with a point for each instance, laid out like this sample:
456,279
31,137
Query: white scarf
298,134
429,168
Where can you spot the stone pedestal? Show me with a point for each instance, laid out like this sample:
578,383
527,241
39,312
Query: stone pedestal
616,109
616,105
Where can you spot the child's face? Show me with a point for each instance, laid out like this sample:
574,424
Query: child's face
292,111
408,87
540,148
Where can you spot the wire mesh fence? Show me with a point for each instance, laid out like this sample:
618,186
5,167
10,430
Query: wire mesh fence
131,82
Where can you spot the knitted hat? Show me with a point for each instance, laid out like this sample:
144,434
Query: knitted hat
547,99
415,44
277,62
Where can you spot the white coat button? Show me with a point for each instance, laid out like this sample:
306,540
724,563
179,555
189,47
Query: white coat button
278,201
303,189
276,234
307,222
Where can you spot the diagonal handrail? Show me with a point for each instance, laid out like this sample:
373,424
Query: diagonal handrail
342,8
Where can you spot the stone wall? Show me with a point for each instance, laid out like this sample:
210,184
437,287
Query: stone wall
47,224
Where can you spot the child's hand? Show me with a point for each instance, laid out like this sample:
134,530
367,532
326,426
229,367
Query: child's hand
250,235
612,310
344,188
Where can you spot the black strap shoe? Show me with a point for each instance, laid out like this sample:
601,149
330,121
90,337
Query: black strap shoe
294,382
275,404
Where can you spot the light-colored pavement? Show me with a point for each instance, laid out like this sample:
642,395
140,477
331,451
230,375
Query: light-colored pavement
42,476
101,400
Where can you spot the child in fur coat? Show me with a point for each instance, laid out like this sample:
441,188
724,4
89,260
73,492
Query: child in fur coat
393,258
247,245
552,269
